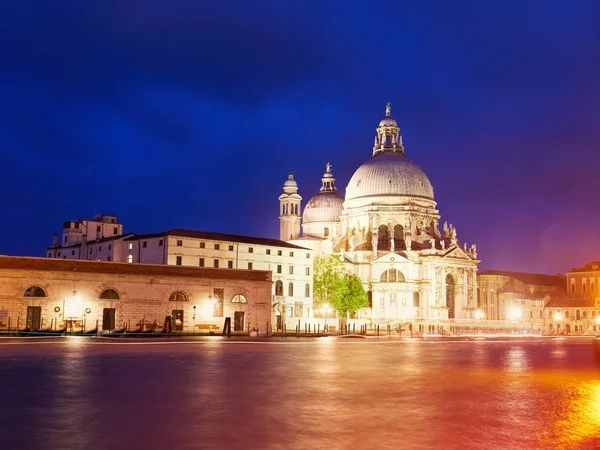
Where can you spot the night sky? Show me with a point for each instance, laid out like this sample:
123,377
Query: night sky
190,113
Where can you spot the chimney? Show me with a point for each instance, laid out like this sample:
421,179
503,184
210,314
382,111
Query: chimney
55,240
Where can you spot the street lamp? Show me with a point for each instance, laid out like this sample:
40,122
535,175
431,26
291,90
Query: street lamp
325,310
479,314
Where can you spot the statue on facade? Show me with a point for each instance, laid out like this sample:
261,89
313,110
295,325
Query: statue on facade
392,244
328,167
445,229
465,248
432,243
474,250
408,240
443,242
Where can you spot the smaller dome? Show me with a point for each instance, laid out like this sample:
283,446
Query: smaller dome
290,182
323,207
388,122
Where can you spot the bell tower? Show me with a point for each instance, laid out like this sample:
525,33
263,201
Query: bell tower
289,210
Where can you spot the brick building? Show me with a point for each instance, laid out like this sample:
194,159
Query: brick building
40,293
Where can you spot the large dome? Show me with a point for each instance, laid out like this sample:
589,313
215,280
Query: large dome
389,174
323,207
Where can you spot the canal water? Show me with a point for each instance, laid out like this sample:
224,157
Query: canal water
82,393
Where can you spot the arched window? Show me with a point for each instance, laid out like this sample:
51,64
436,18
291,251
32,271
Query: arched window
34,291
416,302
307,290
278,287
392,276
578,315
239,299
450,295
291,289
110,294
399,237
178,296
383,238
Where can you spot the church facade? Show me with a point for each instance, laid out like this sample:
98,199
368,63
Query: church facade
387,231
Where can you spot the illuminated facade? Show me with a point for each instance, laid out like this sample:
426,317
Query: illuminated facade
386,231
42,293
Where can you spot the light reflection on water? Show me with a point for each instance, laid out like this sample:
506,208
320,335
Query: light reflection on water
319,394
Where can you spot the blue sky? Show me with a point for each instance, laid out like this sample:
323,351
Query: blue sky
189,114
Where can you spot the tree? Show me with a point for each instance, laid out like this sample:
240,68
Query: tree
328,275
351,295
332,285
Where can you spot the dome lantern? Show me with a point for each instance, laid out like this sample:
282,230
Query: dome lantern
388,137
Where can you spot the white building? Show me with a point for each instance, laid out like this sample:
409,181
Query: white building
291,265
386,231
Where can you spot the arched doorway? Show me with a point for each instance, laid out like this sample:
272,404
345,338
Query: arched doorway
383,238
399,237
450,295
567,328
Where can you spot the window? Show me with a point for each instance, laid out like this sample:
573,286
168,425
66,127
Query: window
308,255
59,252
250,250
566,314
98,228
549,314
290,311
201,262
291,289
202,244
65,239
326,231
217,246
239,299
145,244
230,264
178,296
584,314
308,271
307,290
72,252
541,314
49,255
583,286
130,259
530,314
179,243
108,258
115,230
130,246
268,251
572,285
110,246
231,248
99,248
416,300
249,266
178,260
216,263
279,287
392,276
279,253
110,294
160,243
34,291
291,253
291,270
278,268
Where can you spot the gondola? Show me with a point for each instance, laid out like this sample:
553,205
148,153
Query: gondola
94,331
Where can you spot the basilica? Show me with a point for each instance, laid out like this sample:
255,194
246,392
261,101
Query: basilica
386,229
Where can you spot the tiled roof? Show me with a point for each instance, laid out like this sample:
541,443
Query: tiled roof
74,265
570,302
536,279
209,235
